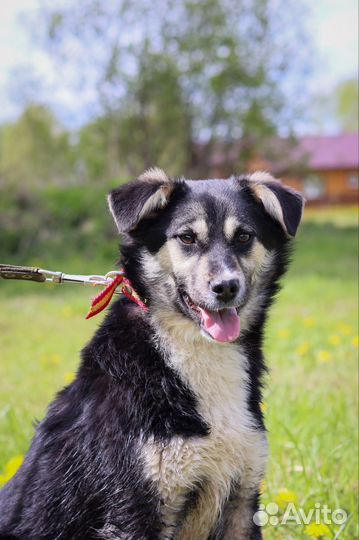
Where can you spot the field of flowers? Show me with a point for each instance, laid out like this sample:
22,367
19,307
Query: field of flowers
311,490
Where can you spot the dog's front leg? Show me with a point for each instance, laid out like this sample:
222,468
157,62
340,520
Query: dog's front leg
132,522
236,522
241,525
112,532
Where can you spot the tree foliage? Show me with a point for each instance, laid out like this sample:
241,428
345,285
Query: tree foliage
169,74
346,104
336,110
35,150
174,84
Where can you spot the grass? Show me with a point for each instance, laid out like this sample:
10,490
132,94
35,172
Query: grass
311,393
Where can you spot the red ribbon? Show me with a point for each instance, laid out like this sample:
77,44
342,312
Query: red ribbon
101,300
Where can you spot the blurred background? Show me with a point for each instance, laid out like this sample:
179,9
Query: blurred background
94,92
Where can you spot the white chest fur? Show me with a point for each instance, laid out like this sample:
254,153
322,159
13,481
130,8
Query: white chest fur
233,450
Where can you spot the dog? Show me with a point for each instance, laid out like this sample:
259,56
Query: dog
161,434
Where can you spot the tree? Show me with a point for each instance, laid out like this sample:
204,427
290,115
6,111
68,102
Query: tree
336,110
182,71
346,104
35,150
155,123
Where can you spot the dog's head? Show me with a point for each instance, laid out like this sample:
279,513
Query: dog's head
206,250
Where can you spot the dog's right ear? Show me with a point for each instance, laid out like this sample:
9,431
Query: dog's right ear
282,203
139,199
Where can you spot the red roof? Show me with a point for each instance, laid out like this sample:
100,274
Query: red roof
330,152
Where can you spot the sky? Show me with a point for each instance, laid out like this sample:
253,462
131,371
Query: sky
333,26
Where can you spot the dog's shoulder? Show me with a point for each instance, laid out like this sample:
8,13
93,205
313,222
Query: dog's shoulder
123,365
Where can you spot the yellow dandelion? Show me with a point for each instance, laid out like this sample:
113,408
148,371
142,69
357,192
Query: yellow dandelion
67,312
345,329
335,340
309,322
264,407
55,359
69,376
283,333
355,341
303,348
318,530
284,497
324,356
11,468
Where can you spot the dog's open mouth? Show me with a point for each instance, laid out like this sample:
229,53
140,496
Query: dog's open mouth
222,325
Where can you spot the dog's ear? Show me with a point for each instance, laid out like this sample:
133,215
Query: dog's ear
282,203
141,198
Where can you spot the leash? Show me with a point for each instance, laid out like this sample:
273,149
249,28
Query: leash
114,281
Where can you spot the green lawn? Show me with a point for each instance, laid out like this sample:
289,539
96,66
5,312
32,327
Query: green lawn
312,347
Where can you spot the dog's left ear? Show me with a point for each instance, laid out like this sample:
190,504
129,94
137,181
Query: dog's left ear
282,203
139,199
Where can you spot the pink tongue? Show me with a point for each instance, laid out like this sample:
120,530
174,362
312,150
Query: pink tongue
223,325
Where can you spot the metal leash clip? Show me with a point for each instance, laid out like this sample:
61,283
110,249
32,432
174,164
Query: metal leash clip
40,275
115,282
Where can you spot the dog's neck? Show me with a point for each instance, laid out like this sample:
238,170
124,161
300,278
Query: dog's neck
178,335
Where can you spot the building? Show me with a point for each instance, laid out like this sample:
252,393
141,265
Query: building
324,168
331,170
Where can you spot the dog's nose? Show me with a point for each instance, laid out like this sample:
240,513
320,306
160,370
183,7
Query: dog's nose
225,290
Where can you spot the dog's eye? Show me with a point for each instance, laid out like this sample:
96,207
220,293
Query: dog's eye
187,238
244,238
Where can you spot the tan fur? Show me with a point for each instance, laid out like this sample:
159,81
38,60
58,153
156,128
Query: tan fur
262,177
161,197
270,203
201,268
259,262
200,228
157,201
154,174
230,227
171,256
266,195
255,259
216,374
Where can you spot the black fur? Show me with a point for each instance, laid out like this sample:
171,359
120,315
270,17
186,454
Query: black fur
126,214
234,501
82,472
292,206
82,478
